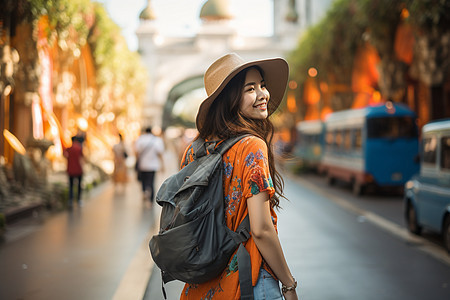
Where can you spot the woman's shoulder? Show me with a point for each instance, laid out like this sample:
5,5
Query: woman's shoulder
251,142
188,156
249,145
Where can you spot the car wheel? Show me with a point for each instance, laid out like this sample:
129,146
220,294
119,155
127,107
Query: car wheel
413,226
446,234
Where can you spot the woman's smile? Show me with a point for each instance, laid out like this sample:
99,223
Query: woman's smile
261,106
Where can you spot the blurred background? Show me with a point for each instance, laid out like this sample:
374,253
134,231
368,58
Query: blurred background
94,69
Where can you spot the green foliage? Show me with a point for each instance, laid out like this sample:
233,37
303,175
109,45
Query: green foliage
430,14
64,16
76,21
382,18
117,67
331,45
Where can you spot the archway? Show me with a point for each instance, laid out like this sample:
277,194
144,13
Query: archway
182,103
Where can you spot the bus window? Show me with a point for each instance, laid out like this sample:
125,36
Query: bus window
338,139
357,139
329,139
429,150
445,153
391,127
347,140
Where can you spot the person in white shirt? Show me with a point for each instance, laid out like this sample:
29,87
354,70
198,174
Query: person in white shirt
149,150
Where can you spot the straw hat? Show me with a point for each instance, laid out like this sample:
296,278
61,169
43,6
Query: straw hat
276,72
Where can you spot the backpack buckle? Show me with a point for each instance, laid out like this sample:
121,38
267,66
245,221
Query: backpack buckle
244,232
210,146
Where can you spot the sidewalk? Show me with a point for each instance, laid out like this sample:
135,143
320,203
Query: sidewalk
86,253
134,283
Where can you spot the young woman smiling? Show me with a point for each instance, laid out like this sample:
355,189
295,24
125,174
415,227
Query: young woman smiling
241,97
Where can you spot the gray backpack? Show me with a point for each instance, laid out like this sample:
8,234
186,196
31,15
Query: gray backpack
194,243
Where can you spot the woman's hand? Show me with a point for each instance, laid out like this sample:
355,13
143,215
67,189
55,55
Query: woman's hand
290,295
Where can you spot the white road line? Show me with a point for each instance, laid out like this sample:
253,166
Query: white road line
421,243
136,278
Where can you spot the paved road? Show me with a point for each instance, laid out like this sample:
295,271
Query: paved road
342,247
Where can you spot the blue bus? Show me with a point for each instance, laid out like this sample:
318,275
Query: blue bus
309,143
375,146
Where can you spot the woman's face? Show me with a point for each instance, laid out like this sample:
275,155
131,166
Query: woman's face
255,96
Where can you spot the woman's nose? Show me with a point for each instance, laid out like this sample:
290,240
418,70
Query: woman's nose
262,94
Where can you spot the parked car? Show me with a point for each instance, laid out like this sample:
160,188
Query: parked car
427,195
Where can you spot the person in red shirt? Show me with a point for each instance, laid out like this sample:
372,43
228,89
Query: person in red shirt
74,156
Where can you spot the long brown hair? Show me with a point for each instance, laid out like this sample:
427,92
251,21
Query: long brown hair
225,120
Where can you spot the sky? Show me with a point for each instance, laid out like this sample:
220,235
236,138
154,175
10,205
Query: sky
181,17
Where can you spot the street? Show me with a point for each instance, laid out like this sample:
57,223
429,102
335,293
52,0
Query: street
337,246
340,253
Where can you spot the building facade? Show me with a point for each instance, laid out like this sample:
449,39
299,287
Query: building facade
176,64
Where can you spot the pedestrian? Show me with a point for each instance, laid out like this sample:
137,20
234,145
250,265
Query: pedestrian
149,151
120,174
74,156
238,103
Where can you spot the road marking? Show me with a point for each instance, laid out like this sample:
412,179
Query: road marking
134,283
421,243
136,279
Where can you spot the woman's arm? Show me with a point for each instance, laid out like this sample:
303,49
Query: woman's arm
266,239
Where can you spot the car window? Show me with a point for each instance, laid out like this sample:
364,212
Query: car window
429,150
445,153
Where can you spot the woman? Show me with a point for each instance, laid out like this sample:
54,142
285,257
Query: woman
120,175
239,102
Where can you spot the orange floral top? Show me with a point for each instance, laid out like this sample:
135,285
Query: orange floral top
246,173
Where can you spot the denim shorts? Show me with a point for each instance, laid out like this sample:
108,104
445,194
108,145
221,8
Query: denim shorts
267,288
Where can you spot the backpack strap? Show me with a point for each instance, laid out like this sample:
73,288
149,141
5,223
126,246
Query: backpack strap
201,147
243,231
245,273
198,147
228,143
243,259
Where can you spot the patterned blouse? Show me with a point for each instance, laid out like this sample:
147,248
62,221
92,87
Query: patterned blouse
246,173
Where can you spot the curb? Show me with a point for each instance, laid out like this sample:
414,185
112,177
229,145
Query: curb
21,212
134,283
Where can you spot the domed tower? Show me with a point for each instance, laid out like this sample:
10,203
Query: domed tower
147,14
147,32
216,32
215,10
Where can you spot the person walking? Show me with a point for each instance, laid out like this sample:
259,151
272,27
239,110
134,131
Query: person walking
241,96
149,150
74,156
120,174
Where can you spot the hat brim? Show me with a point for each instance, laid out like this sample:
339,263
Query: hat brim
276,74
